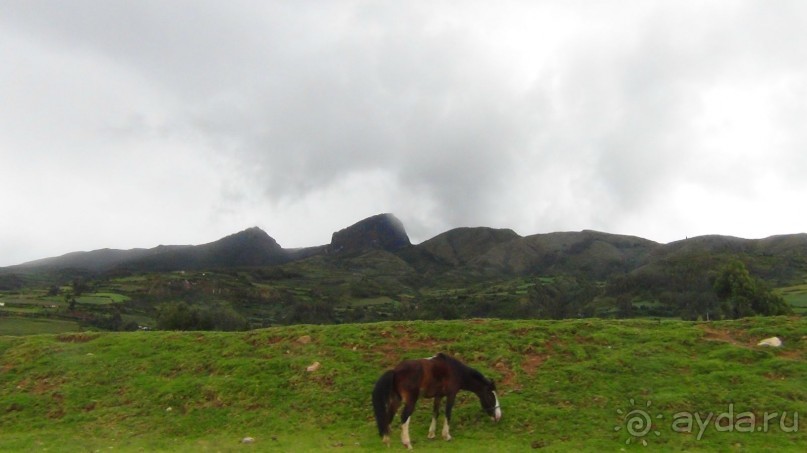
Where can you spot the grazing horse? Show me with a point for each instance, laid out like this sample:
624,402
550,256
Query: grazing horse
437,377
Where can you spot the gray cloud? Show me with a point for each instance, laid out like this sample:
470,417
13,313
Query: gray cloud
208,116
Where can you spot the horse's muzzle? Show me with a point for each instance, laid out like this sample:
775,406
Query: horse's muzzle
497,414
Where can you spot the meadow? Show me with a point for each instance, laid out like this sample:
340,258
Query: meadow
587,385
796,297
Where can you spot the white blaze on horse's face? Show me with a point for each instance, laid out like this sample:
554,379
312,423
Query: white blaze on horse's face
497,414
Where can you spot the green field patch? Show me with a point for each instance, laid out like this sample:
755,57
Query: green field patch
372,301
101,298
796,297
21,310
20,304
18,300
31,326
114,297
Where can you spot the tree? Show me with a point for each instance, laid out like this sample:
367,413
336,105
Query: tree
79,286
624,306
741,295
177,316
70,300
181,316
563,297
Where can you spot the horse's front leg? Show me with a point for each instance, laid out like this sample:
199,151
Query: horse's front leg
435,415
449,407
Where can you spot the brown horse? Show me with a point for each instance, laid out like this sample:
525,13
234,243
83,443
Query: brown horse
437,377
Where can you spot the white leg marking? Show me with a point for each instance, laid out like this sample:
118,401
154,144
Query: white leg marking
497,415
432,428
446,435
405,434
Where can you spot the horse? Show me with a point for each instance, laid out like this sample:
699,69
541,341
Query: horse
436,377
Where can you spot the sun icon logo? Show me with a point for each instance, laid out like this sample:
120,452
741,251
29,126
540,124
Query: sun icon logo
638,423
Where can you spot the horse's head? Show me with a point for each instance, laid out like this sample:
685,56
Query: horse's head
489,400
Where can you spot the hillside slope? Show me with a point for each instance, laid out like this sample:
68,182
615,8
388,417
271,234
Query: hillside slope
565,385
593,253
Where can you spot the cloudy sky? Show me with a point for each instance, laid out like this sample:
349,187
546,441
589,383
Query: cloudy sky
136,123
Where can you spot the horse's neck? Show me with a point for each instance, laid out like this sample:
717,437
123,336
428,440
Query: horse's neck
466,377
471,383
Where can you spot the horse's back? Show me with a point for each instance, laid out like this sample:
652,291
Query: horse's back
428,377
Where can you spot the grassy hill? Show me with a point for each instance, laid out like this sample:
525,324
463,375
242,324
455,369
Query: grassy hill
565,385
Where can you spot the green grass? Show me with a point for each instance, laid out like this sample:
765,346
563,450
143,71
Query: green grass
370,301
564,385
796,296
101,298
13,325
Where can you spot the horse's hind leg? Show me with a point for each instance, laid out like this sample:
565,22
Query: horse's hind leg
409,407
435,415
394,404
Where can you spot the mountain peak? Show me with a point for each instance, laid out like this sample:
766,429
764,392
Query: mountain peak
250,247
382,231
253,234
252,241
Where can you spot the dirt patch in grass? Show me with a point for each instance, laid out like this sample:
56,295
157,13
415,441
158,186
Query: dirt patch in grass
532,362
790,354
40,386
509,380
82,337
396,351
725,336
399,344
731,337
257,340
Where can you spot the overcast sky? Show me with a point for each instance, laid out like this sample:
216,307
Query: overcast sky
137,123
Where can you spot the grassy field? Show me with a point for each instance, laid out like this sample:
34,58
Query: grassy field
564,385
796,296
14,325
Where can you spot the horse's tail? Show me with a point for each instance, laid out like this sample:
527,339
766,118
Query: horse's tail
381,399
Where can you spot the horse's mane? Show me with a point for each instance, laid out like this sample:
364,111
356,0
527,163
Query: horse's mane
464,369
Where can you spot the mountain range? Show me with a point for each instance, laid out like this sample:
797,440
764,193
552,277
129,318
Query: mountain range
477,251
372,271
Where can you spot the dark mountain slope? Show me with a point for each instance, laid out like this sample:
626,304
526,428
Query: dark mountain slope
251,247
93,261
383,231
459,246
248,248
779,259
592,253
